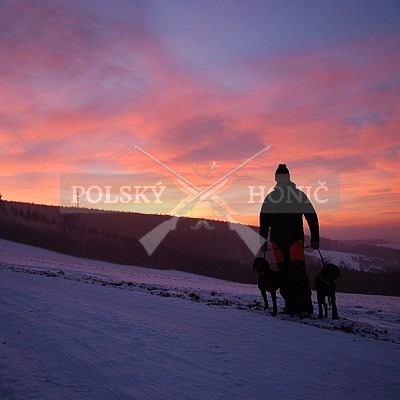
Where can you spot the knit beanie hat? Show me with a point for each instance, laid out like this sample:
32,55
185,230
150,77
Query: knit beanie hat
282,169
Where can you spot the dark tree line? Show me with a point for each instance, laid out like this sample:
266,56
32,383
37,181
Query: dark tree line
114,237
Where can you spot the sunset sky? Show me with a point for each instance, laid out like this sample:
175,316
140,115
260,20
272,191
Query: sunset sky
203,86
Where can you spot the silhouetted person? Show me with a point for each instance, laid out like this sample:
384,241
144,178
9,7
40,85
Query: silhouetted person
281,218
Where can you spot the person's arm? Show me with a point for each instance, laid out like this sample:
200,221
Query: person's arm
265,220
312,220
313,224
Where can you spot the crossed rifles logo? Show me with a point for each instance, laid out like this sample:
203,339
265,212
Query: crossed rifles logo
152,239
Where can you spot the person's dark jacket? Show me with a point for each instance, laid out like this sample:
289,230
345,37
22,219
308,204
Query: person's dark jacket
282,213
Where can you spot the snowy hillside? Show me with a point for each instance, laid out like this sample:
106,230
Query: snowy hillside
395,246
353,261
82,329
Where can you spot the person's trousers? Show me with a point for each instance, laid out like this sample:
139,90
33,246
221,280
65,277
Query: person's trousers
295,288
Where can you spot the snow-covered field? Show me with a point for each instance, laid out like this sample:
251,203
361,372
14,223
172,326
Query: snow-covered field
349,260
82,329
395,246
353,261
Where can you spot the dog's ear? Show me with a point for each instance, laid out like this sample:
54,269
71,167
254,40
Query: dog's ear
260,264
255,264
335,271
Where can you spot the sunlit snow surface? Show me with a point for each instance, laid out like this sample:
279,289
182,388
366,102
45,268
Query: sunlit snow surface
82,329
364,315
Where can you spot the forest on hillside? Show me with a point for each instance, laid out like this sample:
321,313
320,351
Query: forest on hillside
215,251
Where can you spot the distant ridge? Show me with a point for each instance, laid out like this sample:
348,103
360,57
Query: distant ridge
114,236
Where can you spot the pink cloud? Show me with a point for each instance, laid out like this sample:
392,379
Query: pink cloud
76,97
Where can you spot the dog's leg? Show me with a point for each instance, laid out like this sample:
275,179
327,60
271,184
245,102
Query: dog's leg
335,314
264,296
325,308
274,305
320,300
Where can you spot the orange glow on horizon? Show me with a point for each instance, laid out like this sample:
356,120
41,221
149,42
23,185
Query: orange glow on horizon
77,100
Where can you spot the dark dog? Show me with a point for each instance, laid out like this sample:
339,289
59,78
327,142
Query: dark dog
268,281
326,287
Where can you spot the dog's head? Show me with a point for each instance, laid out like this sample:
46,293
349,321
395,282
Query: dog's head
260,264
331,272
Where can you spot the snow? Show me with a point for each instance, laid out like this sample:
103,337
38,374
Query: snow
82,329
338,257
357,262
395,246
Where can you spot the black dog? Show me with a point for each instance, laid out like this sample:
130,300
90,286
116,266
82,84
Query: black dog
326,287
268,281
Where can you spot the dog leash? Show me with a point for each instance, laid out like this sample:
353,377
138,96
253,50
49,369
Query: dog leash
322,258
319,252
265,251
304,247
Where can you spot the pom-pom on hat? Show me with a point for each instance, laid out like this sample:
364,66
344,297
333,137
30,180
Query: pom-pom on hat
282,170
